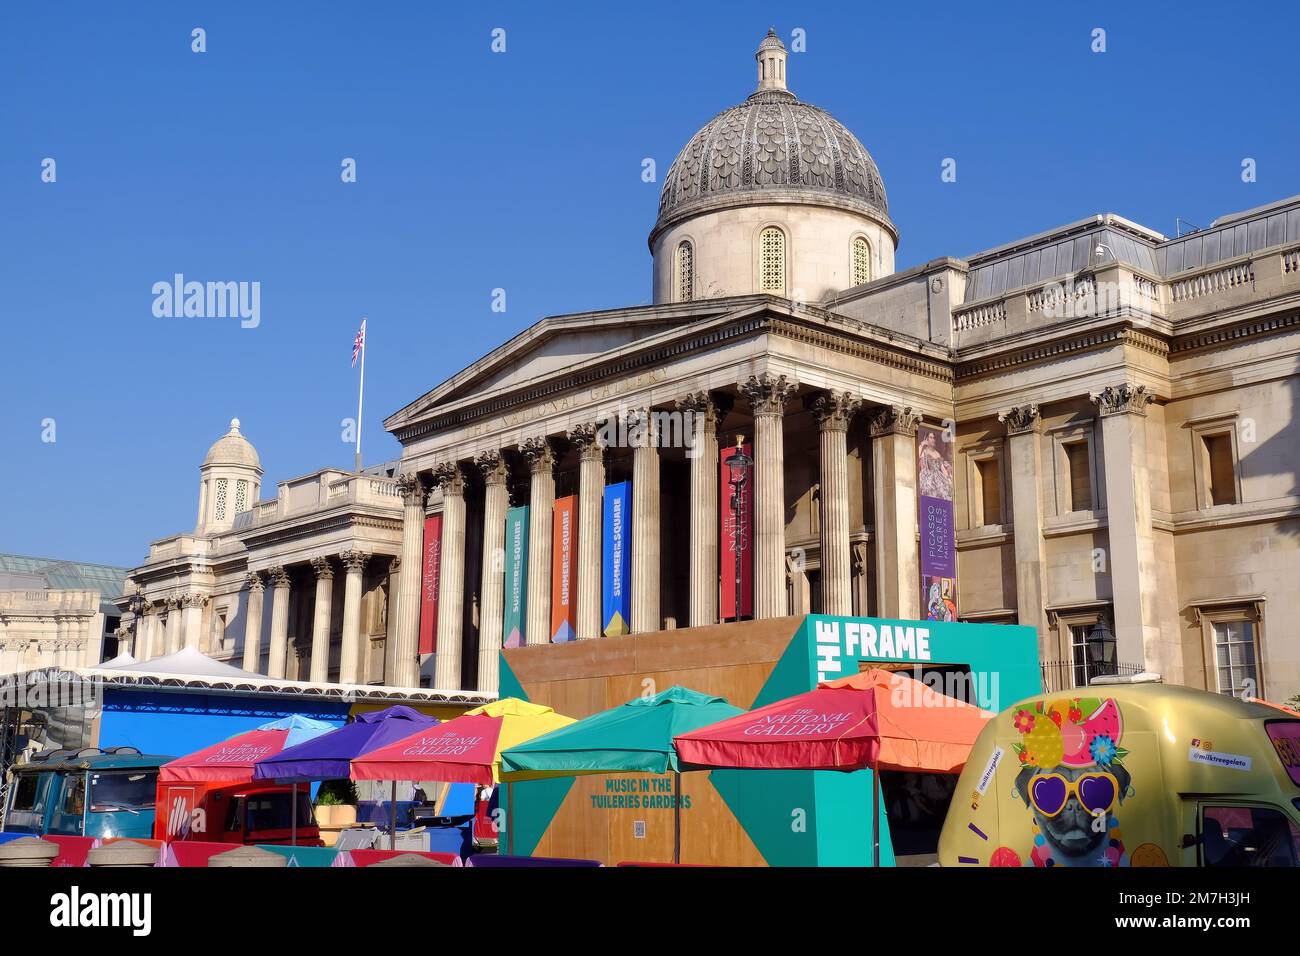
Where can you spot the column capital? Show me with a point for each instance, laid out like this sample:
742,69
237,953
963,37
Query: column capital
450,479
395,565
278,575
834,411
253,581
353,560
768,393
1022,420
709,407
494,467
1125,399
173,603
412,490
589,440
194,599
895,420
540,452
323,568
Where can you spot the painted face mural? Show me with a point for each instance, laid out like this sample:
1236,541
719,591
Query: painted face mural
1072,779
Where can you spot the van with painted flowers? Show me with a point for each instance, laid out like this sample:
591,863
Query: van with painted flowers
1130,775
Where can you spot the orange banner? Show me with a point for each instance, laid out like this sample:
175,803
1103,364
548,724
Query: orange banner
564,550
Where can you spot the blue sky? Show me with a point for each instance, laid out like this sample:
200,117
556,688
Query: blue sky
520,171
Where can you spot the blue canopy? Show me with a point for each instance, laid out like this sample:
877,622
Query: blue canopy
329,756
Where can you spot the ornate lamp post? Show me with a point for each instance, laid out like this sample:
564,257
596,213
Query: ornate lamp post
1101,649
738,466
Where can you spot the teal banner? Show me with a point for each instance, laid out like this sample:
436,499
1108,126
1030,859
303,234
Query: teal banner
516,571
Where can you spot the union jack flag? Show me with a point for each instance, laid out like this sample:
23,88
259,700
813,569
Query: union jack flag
359,343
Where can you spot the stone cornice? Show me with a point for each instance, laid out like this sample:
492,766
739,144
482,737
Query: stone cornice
318,523
1066,345
1208,338
858,348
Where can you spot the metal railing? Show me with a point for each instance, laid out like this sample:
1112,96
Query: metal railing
1063,675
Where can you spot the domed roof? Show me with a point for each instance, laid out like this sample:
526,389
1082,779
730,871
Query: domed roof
772,142
232,448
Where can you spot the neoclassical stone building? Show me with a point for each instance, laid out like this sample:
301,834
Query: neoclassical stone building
1119,407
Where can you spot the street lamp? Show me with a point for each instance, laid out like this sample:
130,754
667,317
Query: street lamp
738,466
1101,648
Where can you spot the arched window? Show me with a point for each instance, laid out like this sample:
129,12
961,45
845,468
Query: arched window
861,260
771,260
685,271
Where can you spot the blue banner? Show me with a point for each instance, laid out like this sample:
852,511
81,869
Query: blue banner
616,603
516,571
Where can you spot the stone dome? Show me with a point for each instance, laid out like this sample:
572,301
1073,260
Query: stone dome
772,148
232,448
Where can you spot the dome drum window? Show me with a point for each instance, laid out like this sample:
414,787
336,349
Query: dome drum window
861,260
220,510
771,260
685,272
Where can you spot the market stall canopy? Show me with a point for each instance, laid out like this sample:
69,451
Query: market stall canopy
233,759
636,737
466,749
187,662
878,719
329,756
115,663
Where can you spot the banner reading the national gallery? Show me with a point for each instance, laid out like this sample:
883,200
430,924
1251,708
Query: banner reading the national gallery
934,474
430,578
616,604
564,549
736,535
516,574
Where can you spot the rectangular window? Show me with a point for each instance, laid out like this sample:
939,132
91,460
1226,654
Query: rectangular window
1247,836
1079,475
1235,660
1220,472
988,501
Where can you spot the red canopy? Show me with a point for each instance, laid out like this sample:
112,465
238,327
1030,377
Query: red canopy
875,719
231,759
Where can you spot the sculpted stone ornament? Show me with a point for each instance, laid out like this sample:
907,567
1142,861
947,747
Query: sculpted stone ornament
494,467
450,478
1123,399
895,420
540,454
395,565
834,412
354,560
1021,419
253,581
412,490
589,440
324,570
278,575
768,393
194,599
708,407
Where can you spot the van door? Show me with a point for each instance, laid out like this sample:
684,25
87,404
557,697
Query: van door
1232,834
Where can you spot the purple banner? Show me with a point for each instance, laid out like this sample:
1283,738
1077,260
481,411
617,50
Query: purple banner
934,479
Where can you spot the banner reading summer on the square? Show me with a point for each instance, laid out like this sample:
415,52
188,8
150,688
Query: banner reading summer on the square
733,536
564,546
616,603
430,574
516,571
934,479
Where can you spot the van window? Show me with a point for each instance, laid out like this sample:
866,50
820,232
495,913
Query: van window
26,790
273,811
1247,836
74,800
123,790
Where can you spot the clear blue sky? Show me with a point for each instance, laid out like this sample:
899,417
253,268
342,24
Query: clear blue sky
518,170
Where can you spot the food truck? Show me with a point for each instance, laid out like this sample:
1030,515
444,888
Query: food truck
226,812
1129,775
89,792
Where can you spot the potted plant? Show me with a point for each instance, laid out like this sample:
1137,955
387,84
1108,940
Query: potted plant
336,809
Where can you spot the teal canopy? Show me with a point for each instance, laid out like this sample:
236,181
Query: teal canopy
636,737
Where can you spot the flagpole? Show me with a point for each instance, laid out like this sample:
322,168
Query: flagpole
361,391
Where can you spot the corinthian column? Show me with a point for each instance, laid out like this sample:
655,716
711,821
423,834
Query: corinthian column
898,559
279,649
253,622
591,494
354,565
192,618
496,499
173,625
705,413
320,625
1024,458
645,522
767,396
406,633
451,592
541,502
834,412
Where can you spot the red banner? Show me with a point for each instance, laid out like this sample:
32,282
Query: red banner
736,536
564,582
430,575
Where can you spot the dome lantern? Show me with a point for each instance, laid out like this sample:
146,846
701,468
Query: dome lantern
771,62
230,480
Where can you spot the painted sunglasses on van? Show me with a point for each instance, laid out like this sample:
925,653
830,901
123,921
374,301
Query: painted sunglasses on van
1096,792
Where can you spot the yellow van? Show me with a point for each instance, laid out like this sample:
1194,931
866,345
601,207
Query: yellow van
1129,775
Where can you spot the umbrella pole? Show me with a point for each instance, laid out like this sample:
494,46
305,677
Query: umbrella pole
293,816
677,816
875,817
392,819
510,818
